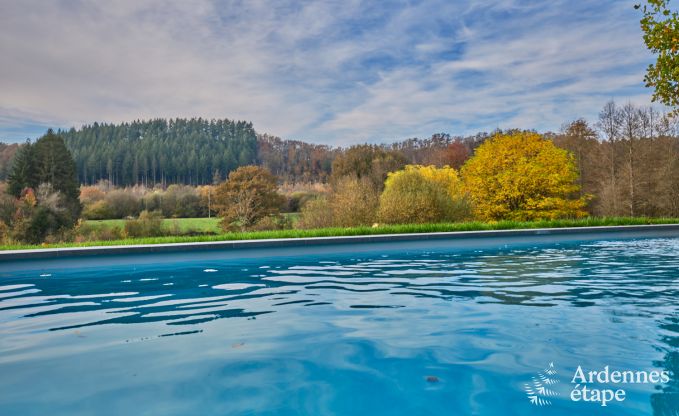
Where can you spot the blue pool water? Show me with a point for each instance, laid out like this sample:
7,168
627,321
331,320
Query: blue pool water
394,332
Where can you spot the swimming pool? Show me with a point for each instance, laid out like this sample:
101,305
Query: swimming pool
400,330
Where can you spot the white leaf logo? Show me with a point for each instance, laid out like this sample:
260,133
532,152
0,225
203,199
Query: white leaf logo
537,391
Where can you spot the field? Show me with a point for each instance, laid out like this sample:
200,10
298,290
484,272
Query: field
211,225
204,225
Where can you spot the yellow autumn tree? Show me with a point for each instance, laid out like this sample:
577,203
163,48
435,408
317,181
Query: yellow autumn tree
522,176
421,194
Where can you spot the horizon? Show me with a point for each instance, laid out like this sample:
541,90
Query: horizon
334,74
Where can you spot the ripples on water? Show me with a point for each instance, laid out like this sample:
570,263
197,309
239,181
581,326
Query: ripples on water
340,334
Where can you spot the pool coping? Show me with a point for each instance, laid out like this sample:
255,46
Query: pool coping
46,253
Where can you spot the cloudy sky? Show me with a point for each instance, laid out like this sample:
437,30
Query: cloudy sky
334,72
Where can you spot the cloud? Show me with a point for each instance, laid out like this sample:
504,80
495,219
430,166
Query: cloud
333,71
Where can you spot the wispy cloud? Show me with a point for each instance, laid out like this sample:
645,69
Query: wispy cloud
331,71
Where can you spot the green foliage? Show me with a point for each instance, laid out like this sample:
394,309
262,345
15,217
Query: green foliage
661,35
246,197
23,173
43,175
187,151
181,225
7,208
37,219
423,194
55,166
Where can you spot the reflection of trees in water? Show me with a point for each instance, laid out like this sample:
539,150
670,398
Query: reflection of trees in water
666,401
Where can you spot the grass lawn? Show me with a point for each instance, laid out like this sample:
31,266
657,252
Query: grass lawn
329,232
206,225
203,225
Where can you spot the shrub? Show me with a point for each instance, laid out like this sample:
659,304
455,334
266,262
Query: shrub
273,222
91,194
423,194
7,208
149,224
89,232
354,202
296,200
4,232
37,217
315,214
122,204
97,211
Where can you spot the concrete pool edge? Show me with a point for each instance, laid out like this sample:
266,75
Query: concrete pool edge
630,231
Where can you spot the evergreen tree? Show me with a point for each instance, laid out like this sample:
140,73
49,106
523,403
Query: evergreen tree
56,166
23,173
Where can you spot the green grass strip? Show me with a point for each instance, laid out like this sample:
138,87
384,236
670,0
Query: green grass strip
352,231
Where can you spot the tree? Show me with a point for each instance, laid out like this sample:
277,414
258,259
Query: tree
423,194
7,152
455,154
55,166
367,161
44,176
522,176
246,197
23,173
661,35
582,142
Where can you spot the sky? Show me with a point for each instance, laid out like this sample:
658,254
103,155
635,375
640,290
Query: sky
333,72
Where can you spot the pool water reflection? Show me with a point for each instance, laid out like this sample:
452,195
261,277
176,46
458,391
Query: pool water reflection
399,332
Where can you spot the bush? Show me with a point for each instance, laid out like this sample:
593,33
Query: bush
295,201
97,211
354,202
4,233
36,218
423,194
315,214
7,208
121,203
149,224
181,201
91,194
89,232
272,222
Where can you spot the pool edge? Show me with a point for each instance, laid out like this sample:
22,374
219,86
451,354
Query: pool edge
46,253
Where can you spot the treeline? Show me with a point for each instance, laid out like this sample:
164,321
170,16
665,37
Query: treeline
628,162
200,151
184,151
